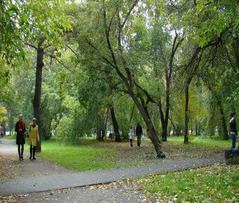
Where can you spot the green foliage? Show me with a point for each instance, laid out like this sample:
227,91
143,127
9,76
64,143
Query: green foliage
207,20
69,127
80,84
10,36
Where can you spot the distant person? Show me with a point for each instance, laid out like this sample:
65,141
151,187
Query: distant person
1,131
20,138
233,129
33,138
131,136
139,132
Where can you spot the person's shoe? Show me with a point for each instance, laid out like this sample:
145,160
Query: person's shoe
34,158
30,158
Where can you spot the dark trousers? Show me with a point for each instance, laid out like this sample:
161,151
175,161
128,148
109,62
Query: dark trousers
131,142
32,151
234,139
138,140
20,150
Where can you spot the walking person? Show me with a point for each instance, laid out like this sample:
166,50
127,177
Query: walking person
33,138
139,132
131,136
20,138
233,129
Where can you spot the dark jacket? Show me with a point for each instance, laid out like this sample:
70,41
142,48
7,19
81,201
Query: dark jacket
139,130
233,127
20,138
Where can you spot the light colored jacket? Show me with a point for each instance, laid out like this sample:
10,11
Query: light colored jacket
33,135
131,133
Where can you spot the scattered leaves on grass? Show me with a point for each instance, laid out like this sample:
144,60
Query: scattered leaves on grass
217,183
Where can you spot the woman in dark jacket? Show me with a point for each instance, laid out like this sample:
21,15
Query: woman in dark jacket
233,129
20,139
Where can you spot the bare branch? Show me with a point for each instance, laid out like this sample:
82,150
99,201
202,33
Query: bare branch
149,97
103,57
60,62
30,45
73,51
128,14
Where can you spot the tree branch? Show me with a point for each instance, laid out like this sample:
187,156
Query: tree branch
30,45
149,97
128,14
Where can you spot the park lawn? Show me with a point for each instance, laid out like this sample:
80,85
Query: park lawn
197,147
90,154
217,183
78,157
200,141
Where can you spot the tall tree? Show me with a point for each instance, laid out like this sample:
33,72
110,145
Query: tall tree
46,36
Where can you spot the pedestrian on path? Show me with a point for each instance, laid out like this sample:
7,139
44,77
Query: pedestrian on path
233,129
139,132
20,138
131,136
33,138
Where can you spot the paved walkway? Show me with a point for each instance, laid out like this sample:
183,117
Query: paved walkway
80,179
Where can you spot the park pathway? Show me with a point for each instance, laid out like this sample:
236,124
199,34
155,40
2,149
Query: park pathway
69,179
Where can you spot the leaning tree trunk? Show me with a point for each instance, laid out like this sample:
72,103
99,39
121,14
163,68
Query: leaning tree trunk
115,125
150,127
128,82
38,88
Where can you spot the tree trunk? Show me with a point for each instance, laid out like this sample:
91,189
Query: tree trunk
186,113
115,125
165,125
37,95
223,120
164,122
196,130
129,84
149,124
164,130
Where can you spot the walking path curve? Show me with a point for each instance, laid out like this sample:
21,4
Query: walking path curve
70,179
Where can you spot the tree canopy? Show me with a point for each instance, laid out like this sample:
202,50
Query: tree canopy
96,68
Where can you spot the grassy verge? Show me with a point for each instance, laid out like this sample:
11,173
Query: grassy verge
218,183
78,157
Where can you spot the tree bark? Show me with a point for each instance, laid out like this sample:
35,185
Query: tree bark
164,119
186,113
223,120
150,127
38,89
115,125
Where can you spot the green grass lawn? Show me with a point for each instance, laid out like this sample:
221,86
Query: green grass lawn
78,157
218,183
90,154
200,141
